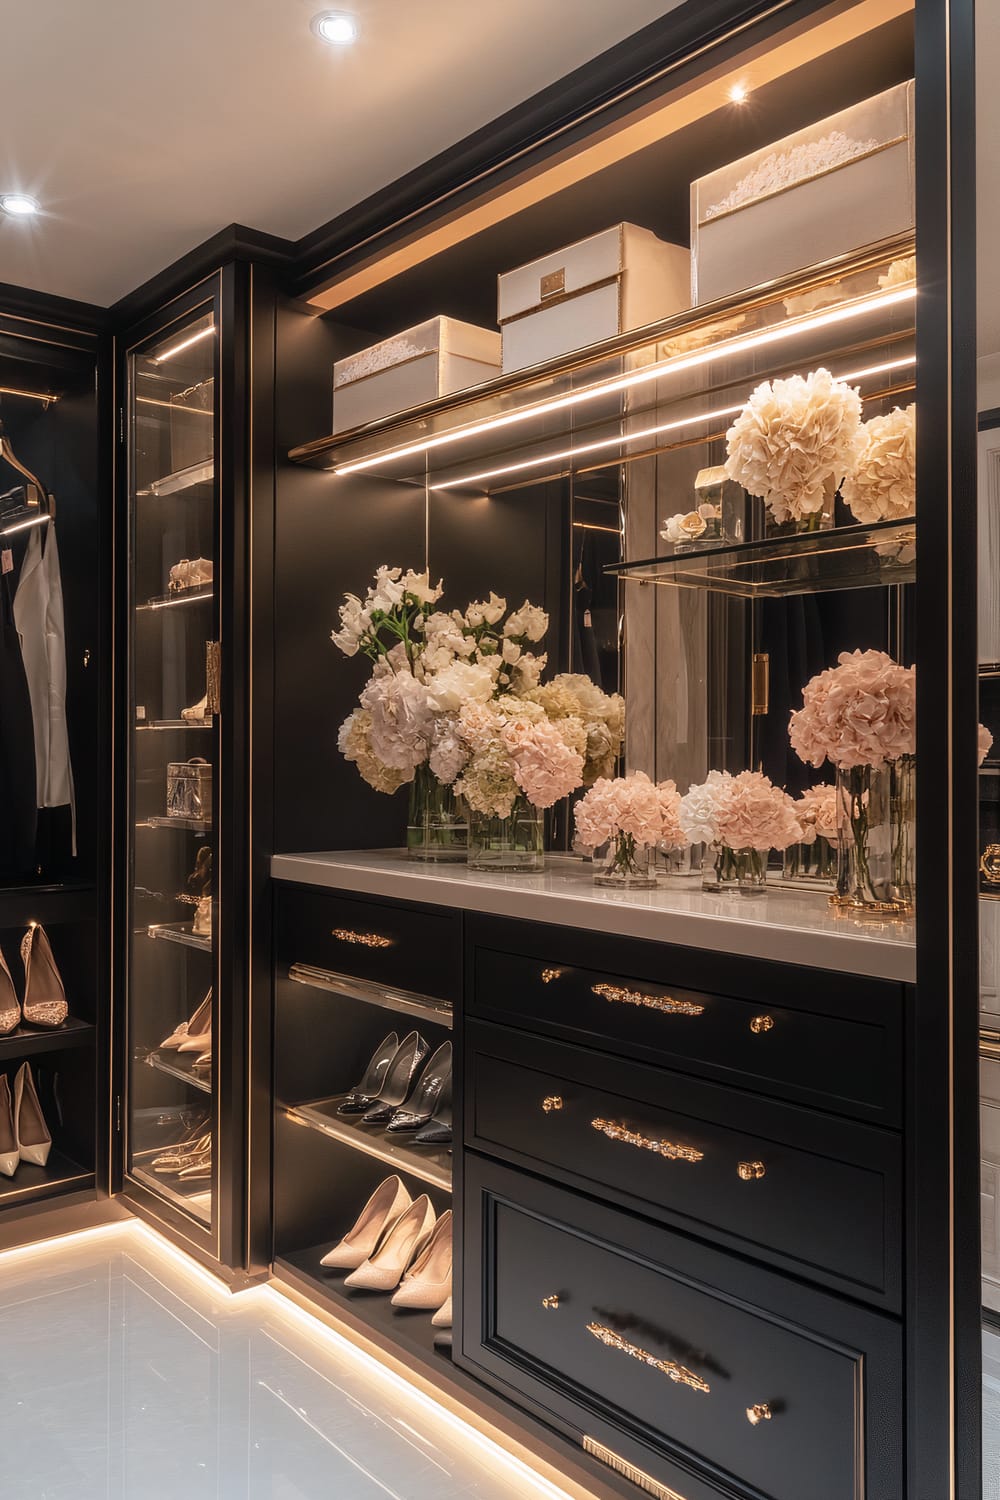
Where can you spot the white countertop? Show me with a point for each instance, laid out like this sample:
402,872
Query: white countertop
786,925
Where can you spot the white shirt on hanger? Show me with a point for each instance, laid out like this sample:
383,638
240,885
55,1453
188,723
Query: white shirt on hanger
38,615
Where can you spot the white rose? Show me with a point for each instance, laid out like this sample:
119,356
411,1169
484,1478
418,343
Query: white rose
684,527
485,611
529,621
462,682
420,586
388,591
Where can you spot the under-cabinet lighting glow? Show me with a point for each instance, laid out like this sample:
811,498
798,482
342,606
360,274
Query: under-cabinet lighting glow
622,438
725,349
738,93
336,27
19,205
13,390
42,520
194,338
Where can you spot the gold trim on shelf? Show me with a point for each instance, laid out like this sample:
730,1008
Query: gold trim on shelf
761,1412
751,1171
638,1477
679,1374
551,1303
668,1149
760,1024
551,1102
361,939
617,995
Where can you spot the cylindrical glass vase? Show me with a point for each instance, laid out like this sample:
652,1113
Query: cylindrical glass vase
751,871
815,863
626,865
719,869
875,819
438,824
513,843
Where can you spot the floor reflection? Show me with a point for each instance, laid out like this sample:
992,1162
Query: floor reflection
125,1377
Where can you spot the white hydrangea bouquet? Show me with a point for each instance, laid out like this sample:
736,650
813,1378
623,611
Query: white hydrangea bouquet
455,706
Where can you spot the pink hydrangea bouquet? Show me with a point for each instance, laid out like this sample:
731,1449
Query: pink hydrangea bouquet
741,818
631,815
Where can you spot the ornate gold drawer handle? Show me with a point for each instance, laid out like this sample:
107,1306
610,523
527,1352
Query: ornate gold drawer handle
760,1024
759,1413
668,1367
361,939
751,1171
672,1152
549,974
551,1304
619,996
551,1102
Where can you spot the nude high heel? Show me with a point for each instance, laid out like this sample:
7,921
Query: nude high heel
192,1027
9,1154
428,1281
442,1318
389,1200
10,1006
44,995
30,1130
405,1240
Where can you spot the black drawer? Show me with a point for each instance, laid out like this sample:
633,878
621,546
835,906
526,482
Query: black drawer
417,948
818,1038
818,1195
704,1372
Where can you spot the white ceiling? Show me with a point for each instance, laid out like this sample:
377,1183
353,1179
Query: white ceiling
145,126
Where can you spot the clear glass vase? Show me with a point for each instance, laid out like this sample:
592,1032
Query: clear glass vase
726,870
875,817
815,862
513,843
626,865
438,824
751,871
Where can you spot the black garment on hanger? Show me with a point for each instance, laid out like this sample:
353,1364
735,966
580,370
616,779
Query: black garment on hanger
586,657
18,780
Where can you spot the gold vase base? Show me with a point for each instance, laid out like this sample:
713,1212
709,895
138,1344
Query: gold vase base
853,906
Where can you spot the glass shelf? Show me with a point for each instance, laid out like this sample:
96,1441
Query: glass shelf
430,1165
845,557
162,725
193,825
180,932
179,596
638,396
173,1064
182,479
403,1001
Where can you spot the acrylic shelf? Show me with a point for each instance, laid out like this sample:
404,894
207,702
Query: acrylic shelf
194,1195
27,1041
193,825
632,397
180,932
194,595
430,1165
162,726
437,1012
812,562
181,479
174,1065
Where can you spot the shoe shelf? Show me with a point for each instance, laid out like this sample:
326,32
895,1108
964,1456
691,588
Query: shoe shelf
193,825
27,1041
50,904
180,932
180,596
174,1065
59,1175
429,1164
372,1313
193,1195
438,1012
181,479
161,726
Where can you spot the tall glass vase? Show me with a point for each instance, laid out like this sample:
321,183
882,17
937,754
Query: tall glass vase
513,843
875,821
438,824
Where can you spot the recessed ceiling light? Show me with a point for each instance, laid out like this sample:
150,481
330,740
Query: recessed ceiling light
738,93
336,27
20,205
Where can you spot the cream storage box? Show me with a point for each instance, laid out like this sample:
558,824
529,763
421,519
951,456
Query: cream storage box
434,359
617,280
844,182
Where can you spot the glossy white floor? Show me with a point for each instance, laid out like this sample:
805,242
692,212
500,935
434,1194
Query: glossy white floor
128,1374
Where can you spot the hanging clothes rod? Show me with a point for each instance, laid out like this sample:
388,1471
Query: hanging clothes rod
47,398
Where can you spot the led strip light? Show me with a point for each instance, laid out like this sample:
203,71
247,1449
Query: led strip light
674,366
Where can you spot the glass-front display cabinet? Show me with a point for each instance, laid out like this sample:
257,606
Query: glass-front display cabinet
173,494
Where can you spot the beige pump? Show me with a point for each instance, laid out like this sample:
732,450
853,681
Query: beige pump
394,1252
9,1154
428,1281
44,995
201,1019
389,1200
10,1006
30,1130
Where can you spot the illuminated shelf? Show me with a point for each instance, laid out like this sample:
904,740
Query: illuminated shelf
161,725
194,825
179,596
180,1065
181,479
813,562
633,397
438,1012
429,1164
180,932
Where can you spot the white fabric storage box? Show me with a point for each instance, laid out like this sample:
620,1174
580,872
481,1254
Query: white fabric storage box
434,359
618,280
845,182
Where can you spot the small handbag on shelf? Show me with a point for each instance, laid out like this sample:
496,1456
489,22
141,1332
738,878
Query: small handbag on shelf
189,789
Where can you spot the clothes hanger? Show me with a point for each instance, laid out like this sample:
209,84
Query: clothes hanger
40,503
